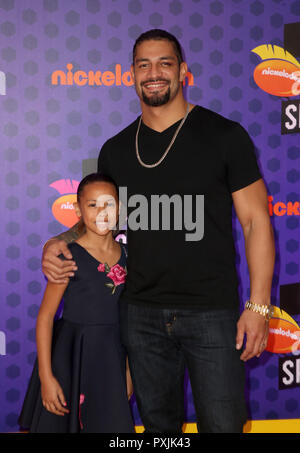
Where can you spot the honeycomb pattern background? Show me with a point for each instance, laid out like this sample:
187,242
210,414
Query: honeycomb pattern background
46,132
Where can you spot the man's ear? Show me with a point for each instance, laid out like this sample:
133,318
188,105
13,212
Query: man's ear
183,71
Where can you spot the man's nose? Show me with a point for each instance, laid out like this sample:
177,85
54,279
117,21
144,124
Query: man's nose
155,71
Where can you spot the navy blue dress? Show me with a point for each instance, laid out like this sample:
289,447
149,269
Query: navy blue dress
88,359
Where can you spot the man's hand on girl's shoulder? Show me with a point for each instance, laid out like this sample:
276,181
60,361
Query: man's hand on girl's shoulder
55,269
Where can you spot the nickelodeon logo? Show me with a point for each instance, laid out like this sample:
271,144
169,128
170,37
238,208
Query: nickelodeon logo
284,333
63,208
280,209
106,78
278,73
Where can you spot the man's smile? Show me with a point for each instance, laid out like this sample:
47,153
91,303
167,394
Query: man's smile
155,85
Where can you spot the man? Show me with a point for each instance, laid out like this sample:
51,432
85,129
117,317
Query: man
180,306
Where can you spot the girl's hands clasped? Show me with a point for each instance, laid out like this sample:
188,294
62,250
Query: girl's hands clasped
53,397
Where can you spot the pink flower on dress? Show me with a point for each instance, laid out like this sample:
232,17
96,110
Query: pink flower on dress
101,267
81,401
118,274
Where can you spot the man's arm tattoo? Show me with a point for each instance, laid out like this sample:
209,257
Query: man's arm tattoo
72,234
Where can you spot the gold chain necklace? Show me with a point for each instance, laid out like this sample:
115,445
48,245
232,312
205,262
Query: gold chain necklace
168,148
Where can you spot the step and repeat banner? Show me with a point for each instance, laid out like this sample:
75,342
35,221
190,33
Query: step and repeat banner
65,88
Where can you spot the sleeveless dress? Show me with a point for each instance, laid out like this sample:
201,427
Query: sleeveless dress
88,359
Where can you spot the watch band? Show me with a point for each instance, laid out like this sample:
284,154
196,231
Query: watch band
264,310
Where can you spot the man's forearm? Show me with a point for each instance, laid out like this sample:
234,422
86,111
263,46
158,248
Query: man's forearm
260,253
70,235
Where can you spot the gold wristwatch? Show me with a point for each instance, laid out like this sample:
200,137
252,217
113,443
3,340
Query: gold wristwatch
264,310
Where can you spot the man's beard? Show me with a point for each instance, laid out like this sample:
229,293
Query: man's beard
156,100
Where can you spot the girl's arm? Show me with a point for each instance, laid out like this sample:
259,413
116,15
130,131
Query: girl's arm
52,394
128,381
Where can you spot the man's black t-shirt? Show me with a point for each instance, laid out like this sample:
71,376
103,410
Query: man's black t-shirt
213,157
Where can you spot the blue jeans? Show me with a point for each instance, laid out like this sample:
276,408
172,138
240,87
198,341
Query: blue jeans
161,343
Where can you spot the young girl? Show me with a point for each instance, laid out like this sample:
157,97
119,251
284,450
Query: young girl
79,380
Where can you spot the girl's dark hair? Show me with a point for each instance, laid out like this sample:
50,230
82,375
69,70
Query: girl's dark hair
89,179
94,177
158,35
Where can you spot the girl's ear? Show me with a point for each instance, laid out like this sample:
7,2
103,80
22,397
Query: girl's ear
77,209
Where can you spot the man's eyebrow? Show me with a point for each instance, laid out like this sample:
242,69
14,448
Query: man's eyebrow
138,60
169,57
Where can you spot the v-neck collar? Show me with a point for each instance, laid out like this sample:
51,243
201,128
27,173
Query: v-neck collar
145,128
95,259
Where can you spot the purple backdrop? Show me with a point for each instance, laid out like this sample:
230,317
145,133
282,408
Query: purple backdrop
47,130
